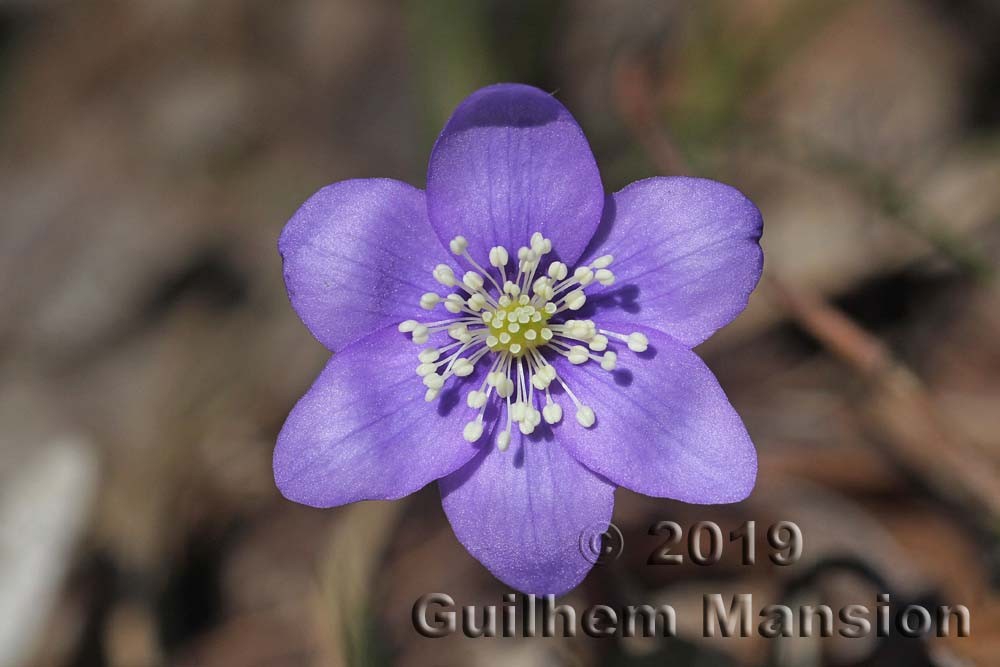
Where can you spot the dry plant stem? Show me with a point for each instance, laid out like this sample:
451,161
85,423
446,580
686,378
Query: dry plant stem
899,408
833,329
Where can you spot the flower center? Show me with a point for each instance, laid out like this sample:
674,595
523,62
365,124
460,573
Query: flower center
516,326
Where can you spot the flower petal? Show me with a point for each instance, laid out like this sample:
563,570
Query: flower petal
364,432
512,161
357,257
521,513
664,426
686,255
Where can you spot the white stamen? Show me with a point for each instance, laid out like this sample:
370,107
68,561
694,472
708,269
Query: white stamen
585,416
552,413
505,387
609,361
603,262
517,323
421,334
498,256
558,271
464,368
539,381
583,275
429,300
538,243
474,281
473,431
458,245
444,275
637,342
453,303
578,354
477,301
576,299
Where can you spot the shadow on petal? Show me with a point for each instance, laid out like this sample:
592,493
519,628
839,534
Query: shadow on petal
623,377
621,297
506,107
649,353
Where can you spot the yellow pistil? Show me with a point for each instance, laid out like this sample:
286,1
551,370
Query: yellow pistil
517,327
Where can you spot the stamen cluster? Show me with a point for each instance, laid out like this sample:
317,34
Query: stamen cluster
518,323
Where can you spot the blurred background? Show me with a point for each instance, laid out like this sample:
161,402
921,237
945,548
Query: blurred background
153,150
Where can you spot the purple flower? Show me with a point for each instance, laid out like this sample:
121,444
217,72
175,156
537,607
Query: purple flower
553,329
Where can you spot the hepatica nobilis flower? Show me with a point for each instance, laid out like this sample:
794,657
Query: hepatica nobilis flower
518,336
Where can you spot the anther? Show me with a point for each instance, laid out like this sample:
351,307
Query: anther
429,300
444,275
505,387
498,256
578,354
598,343
637,342
552,413
583,275
585,416
453,303
609,361
473,280
476,399
476,302
463,367
473,431
576,299
421,334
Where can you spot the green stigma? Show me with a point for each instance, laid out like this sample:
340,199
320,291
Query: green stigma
517,326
